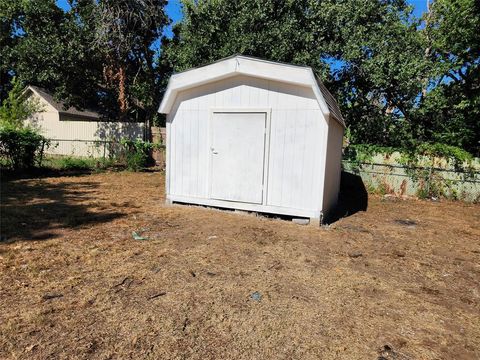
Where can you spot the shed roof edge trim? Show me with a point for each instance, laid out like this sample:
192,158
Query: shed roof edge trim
230,67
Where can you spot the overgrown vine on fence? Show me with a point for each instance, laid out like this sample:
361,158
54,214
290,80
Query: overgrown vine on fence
423,164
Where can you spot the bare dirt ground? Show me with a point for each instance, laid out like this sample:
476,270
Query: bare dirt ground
399,281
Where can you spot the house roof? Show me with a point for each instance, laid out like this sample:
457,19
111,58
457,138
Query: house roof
60,106
250,66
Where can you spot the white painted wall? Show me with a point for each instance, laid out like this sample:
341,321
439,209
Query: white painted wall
297,134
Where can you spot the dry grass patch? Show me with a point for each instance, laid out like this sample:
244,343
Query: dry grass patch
399,281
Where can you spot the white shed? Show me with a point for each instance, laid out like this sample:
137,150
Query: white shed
77,132
249,134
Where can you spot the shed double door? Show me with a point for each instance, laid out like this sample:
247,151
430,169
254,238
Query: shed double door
237,156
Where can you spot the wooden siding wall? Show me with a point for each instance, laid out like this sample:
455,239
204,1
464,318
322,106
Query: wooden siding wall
52,125
88,131
297,131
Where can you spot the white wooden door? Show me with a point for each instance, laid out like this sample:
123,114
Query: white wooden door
237,156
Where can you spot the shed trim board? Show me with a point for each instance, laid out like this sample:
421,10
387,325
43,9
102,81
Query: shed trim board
323,162
313,214
266,148
168,156
249,66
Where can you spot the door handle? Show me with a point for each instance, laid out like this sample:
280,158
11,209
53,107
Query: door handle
213,151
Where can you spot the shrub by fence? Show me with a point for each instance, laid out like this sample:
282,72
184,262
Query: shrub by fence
137,153
21,148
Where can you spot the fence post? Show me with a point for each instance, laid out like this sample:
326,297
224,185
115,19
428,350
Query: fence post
41,153
104,148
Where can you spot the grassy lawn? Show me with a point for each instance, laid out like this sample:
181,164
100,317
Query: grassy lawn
399,281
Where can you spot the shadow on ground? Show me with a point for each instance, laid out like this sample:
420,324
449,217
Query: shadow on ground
38,210
353,197
40,173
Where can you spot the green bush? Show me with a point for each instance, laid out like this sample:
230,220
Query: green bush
72,163
137,153
59,162
21,148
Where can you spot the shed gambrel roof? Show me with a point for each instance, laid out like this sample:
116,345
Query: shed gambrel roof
60,106
250,66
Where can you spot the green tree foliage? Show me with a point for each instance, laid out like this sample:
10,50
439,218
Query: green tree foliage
400,81
98,54
450,112
377,47
21,146
124,34
43,45
388,70
16,108
276,30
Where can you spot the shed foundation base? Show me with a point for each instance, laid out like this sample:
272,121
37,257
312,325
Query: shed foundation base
301,221
268,209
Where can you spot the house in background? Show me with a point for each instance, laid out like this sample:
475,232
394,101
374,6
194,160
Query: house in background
245,133
77,132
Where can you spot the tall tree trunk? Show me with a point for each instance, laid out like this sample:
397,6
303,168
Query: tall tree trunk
428,49
122,95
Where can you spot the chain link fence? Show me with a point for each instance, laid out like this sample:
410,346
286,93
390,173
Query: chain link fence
96,149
